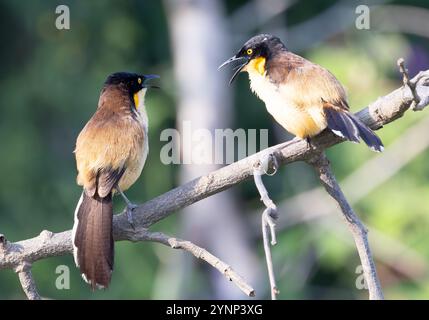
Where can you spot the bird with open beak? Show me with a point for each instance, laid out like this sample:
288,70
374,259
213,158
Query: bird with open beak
303,97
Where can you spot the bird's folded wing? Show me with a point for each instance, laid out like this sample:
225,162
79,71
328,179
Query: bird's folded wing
107,179
310,84
102,152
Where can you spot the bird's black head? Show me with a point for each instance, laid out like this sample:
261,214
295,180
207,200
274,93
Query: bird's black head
257,49
132,82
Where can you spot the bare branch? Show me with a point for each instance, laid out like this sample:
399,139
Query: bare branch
268,216
358,230
356,186
199,253
23,269
27,281
54,244
381,112
404,71
407,82
45,245
269,225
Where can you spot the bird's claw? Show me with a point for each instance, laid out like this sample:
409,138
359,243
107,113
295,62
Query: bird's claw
309,144
129,211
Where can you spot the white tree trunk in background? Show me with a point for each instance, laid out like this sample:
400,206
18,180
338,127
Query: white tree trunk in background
199,45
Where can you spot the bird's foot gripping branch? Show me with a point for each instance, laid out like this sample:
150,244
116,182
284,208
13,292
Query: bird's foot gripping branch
19,256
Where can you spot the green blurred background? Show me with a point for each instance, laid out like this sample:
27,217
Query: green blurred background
49,85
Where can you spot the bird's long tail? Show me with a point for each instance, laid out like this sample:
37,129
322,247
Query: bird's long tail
93,247
346,125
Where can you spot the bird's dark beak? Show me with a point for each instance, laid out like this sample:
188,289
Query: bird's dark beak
242,62
148,77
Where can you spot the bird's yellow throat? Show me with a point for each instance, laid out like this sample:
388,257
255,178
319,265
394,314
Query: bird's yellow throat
136,100
257,64
139,98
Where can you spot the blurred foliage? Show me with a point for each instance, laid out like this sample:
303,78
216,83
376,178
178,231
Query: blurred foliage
49,85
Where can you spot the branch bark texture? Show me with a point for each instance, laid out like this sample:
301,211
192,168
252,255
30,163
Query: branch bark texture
358,230
379,113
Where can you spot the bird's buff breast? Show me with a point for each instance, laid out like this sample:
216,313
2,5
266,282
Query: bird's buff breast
278,101
137,160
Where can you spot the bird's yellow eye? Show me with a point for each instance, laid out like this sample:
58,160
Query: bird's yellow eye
249,51
139,80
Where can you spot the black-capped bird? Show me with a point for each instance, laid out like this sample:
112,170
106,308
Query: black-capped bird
303,97
111,151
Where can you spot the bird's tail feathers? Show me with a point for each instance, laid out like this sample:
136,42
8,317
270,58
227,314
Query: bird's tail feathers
348,126
93,247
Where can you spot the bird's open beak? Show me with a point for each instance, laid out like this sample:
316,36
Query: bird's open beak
242,62
148,77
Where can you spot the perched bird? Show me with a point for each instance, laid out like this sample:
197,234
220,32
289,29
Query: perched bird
302,96
110,152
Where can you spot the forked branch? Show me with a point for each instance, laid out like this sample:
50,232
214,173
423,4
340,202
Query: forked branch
379,113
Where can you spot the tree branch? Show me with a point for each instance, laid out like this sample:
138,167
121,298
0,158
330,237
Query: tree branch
21,255
381,112
27,281
356,186
268,216
358,230
199,253
23,269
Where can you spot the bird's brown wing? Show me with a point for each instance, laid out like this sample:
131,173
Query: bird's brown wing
107,179
102,151
314,85
304,89
320,87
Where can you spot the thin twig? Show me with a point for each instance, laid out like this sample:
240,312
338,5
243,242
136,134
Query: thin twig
268,225
379,113
407,82
199,253
356,227
27,281
268,216
357,185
